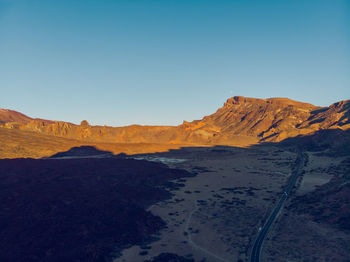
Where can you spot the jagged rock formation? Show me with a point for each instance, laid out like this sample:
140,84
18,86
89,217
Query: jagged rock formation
272,119
264,119
241,121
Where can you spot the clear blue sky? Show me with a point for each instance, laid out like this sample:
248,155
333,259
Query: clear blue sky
160,62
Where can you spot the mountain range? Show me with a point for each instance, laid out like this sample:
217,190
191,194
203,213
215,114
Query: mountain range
241,121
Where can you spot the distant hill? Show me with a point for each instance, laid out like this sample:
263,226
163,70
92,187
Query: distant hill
241,121
7,115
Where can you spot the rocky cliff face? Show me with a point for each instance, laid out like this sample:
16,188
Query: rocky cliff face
241,121
272,119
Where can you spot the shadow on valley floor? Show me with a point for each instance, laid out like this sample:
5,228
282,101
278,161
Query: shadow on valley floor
83,151
78,209
81,204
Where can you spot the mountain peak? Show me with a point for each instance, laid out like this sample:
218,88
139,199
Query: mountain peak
238,100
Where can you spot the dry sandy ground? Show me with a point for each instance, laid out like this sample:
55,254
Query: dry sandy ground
18,144
317,172
296,238
216,215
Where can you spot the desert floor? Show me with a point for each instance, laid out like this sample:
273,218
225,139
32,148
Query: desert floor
216,214
295,237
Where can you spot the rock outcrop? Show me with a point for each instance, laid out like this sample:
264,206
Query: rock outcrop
272,119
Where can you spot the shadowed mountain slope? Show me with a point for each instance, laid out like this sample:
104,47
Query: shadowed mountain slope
332,142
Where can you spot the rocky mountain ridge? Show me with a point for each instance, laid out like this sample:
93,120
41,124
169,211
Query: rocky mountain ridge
241,121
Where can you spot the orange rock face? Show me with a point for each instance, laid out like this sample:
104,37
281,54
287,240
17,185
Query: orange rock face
241,121
272,119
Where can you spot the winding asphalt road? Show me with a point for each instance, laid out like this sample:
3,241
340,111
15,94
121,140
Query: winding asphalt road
255,254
